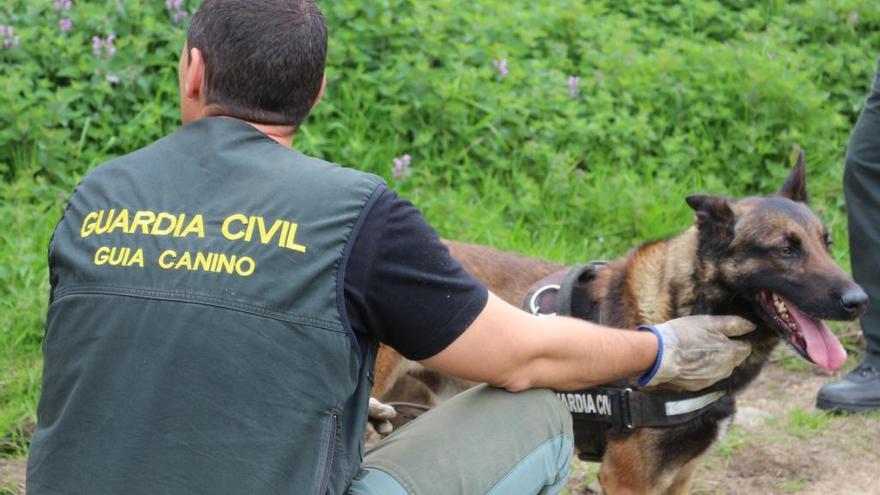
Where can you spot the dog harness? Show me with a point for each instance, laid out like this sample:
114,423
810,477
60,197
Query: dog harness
614,408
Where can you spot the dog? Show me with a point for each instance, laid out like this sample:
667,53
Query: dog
764,258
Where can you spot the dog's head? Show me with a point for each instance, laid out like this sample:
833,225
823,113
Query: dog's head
772,253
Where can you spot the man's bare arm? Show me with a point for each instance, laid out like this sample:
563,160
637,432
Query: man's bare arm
510,348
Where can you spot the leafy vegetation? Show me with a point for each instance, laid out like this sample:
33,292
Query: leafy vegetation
672,98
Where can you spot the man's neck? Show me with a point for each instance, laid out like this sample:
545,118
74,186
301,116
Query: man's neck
282,134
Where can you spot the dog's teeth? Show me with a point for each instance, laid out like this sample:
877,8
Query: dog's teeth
780,307
783,314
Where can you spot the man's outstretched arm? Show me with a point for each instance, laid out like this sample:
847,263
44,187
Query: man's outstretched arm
510,348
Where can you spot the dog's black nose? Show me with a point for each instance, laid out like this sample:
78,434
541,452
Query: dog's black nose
854,299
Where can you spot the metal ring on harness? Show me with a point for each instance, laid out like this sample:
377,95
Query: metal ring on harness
533,301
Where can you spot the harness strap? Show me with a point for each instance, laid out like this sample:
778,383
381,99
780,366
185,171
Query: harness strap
620,409
566,292
624,409
612,407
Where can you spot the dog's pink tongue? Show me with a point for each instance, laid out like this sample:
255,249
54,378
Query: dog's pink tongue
822,346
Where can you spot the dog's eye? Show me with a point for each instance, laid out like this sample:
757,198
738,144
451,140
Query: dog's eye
787,250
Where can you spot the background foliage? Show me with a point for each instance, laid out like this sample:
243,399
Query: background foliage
674,97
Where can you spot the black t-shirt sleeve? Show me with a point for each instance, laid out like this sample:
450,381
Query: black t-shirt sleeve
403,287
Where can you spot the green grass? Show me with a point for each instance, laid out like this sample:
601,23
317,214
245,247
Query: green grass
803,424
28,211
791,485
735,440
675,97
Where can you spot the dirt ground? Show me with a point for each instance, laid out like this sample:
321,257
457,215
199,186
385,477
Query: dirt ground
778,444
11,476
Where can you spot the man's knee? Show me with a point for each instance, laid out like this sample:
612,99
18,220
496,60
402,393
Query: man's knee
549,407
528,408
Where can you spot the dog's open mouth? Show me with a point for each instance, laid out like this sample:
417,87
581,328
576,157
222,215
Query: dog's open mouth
809,336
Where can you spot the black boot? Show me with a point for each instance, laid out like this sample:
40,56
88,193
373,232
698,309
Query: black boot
858,392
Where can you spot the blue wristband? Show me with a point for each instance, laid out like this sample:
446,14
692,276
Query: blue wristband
644,379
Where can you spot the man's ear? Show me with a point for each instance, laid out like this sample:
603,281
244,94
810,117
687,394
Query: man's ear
711,212
194,79
795,185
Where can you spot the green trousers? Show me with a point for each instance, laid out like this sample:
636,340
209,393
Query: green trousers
482,441
861,186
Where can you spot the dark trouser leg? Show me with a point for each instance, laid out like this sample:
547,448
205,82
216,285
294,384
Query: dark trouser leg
861,185
860,390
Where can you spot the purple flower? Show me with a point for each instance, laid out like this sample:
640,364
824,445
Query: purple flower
104,46
501,66
113,79
175,8
10,39
573,82
97,43
401,170
65,25
853,17
61,5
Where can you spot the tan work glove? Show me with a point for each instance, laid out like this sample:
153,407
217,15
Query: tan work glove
695,351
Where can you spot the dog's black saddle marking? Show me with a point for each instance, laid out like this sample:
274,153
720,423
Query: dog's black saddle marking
614,408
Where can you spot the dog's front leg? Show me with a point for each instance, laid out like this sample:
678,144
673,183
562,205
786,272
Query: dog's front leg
684,479
629,465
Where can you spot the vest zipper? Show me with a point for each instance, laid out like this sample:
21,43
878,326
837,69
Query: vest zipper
331,448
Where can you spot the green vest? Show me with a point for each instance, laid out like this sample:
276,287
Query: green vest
196,339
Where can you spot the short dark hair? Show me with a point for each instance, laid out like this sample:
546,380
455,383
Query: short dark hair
264,59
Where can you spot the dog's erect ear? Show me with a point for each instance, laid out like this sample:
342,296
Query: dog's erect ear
710,210
795,185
